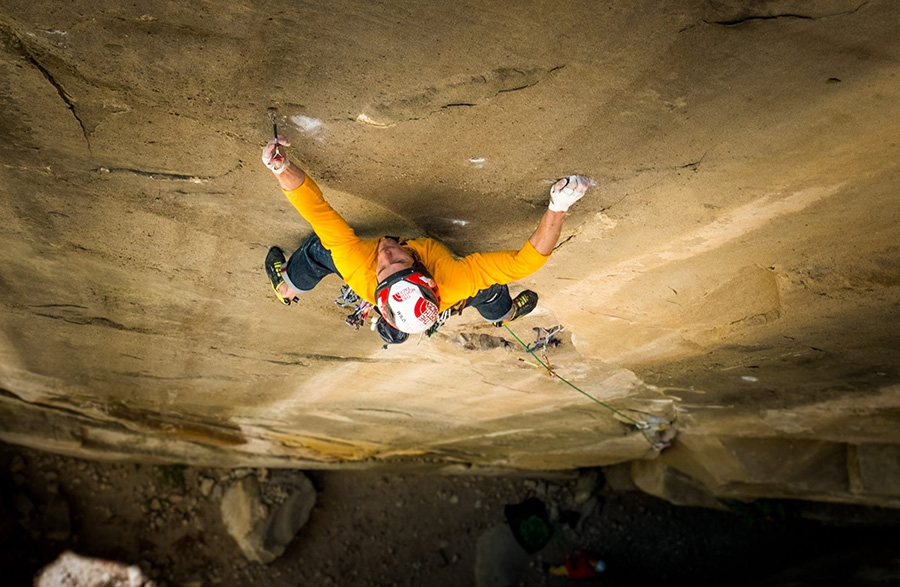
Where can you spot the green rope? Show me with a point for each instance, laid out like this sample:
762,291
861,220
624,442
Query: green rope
576,388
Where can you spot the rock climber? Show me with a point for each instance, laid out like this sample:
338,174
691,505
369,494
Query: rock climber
413,284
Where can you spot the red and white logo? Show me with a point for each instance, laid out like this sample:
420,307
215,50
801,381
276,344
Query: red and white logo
426,311
404,293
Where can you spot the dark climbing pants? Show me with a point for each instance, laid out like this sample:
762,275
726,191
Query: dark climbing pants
309,264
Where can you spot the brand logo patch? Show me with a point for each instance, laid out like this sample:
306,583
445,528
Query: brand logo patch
426,311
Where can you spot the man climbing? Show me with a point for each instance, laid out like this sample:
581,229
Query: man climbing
414,284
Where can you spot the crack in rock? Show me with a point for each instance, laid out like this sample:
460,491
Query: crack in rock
340,359
458,92
563,242
50,406
745,19
525,87
64,95
740,21
157,174
144,375
18,44
382,411
95,321
694,165
166,176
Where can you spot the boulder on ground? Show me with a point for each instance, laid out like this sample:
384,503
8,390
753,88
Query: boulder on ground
73,570
263,519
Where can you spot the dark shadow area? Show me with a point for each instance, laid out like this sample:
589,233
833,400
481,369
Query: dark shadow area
373,528
644,540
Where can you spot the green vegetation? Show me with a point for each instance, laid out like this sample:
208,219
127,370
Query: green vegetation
173,474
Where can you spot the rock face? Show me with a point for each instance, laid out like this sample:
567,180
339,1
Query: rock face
735,275
264,522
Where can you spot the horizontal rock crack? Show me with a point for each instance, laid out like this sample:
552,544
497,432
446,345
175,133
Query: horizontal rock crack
745,19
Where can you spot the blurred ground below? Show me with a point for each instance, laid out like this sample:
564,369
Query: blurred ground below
378,529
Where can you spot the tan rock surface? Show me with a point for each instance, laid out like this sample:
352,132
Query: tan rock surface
737,270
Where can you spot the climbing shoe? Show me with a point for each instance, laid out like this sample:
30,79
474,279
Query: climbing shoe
523,304
274,262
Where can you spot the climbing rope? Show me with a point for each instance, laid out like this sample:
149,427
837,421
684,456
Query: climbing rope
641,425
545,339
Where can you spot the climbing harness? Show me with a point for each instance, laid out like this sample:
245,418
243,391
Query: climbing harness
649,425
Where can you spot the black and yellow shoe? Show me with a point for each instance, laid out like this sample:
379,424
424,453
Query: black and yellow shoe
274,262
523,304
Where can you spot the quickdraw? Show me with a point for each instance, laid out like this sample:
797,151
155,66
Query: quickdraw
359,315
361,308
545,338
347,297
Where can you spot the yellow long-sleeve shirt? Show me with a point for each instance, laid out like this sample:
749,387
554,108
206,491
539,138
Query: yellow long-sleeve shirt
355,258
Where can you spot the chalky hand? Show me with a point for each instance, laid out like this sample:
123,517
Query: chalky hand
273,155
567,191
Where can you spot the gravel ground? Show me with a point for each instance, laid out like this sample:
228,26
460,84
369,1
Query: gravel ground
375,528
